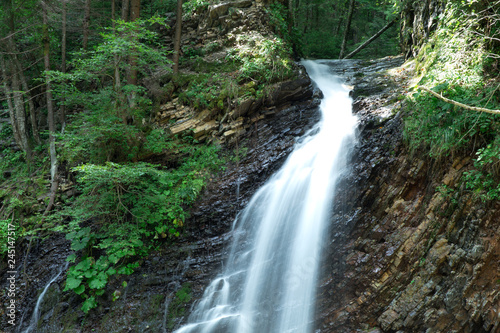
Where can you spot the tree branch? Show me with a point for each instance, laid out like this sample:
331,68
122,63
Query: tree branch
464,106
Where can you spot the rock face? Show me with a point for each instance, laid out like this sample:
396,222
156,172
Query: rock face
419,19
404,256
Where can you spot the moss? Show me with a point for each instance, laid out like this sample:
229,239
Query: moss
177,306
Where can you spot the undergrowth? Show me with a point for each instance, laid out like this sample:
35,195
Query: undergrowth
456,64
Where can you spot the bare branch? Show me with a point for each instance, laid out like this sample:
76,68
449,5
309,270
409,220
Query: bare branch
463,106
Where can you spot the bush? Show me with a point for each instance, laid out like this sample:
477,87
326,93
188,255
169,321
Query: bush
123,209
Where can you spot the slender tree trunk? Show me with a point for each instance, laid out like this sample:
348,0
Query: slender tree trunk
18,80
31,105
18,68
8,95
20,111
347,28
50,104
86,24
115,57
135,6
291,16
63,60
177,39
120,99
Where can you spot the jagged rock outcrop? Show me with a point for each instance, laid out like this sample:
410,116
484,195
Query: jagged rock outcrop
419,20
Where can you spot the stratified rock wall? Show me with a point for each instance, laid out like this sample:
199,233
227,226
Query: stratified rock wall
404,255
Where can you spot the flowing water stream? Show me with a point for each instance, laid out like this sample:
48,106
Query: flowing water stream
269,283
36,312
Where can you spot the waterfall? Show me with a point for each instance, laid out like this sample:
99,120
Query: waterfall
269,283
36,312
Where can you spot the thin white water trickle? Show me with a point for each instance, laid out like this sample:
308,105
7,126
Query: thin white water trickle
269,283
36,312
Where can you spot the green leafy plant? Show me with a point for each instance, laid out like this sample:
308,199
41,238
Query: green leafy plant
125,208
267,61
452,64
193,6
484,179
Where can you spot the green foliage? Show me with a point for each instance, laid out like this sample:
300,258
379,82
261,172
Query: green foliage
193,6
111,128
278,19
452,63
9,233
320,26
157,7
127,207
263,60
209,91
484,180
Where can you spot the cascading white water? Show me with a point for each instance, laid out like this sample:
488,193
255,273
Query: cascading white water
269,283
36,312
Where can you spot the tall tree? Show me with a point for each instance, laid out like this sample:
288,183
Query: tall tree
135,7
8,96
50,106
177,39
86,24
13,70
347,29
125,10
63,58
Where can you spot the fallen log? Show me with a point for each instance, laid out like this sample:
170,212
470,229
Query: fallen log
377,35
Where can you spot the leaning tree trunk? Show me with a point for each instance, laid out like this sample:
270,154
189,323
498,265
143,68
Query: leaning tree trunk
347,28
371,39
178,33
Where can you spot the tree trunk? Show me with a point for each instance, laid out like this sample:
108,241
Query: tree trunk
120,99
347,28
86,24
50,104
31,105
125,6
62,114
365,44
291,16
20,111
135,6
17,72
178,34
117,79
8,95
